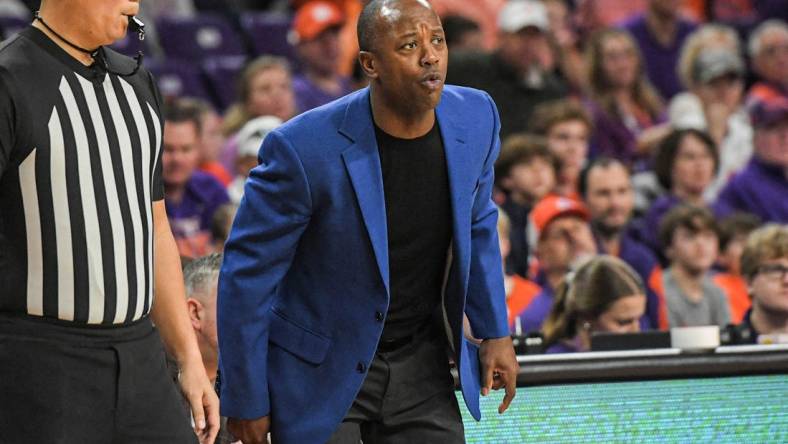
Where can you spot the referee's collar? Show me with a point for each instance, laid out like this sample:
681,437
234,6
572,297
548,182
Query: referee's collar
95,72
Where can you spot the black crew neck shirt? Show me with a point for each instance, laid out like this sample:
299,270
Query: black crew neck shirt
418,216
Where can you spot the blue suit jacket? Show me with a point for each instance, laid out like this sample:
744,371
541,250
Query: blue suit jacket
306,265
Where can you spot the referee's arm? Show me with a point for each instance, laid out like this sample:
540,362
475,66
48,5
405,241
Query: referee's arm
170,315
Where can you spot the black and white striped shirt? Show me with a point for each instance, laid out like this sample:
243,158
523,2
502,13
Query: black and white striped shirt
79,169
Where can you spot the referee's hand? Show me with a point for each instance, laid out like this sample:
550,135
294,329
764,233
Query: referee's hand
203,401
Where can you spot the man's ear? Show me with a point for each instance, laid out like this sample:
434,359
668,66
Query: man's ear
195,310
367,61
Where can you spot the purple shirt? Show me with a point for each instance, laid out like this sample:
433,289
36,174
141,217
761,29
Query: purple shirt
649,231
560,347
660,61
535,314
760,189
308,95
191,217
613,138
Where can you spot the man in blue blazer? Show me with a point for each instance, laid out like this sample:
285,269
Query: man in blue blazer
365,236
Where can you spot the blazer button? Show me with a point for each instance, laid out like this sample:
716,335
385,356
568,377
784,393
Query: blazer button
379,316
361,368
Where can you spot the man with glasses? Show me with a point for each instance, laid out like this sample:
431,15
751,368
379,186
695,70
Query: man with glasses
764,264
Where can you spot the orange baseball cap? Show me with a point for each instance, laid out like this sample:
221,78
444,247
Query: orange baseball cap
553,206
313,18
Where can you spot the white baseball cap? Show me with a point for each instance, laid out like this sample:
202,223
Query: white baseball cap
251,135
519,14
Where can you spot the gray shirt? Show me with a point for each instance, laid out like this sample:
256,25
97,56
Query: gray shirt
682,312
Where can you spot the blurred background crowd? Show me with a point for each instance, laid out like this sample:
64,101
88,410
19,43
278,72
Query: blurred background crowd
643,176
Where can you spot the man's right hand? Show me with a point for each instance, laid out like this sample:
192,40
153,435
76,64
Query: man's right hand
250,431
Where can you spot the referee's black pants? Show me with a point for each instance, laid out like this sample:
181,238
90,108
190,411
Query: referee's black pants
67,384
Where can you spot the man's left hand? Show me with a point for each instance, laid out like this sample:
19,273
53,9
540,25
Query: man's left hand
203,401
499,368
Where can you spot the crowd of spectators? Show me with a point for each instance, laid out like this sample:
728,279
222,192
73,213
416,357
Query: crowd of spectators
643,176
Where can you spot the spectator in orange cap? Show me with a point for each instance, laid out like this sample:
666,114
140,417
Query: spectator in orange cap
315,34
563,240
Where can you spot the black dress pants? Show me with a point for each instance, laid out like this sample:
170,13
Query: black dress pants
407,398
67,384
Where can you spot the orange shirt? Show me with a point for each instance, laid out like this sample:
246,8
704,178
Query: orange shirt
217,170
520,296
735,288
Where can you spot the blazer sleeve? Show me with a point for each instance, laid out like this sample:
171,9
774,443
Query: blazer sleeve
485,305
272,216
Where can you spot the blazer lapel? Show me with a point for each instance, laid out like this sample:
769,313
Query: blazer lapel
362,162
458,164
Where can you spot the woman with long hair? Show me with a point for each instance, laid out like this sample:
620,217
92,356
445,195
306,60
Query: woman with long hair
627,110
602,295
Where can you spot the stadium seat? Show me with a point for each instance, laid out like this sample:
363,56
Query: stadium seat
178,79
197,38
221,74
130,45
268,34
9,26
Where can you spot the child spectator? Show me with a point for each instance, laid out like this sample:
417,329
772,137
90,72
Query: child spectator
602,295
526,172
689,235
566,126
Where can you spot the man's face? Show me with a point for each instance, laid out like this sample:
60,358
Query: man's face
771,143
181,155
609,197
105,21
770,286
623,316
569,142
321,54
526,49
694,251
410,55
772,61
208,330
564,240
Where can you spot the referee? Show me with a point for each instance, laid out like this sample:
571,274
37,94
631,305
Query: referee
85,244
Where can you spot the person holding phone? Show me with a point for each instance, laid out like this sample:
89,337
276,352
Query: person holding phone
85,244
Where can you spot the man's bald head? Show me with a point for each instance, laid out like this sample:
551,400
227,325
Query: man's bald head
388,11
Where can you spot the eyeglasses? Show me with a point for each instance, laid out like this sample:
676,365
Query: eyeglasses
773,271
